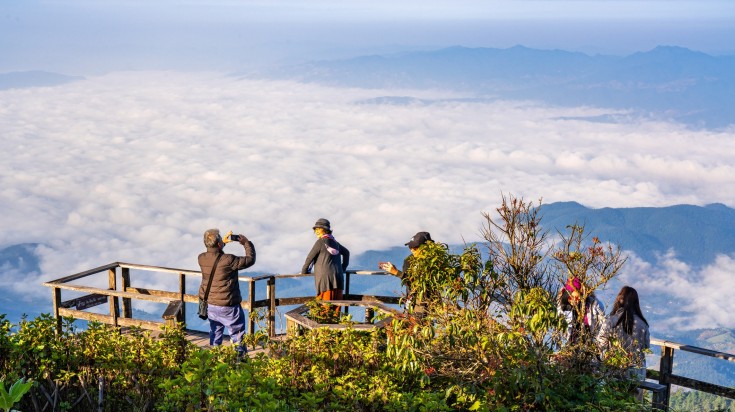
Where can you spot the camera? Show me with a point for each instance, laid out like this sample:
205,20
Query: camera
235,238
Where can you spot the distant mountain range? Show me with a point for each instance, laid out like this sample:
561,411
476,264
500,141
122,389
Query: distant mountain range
19,80
668,83
696,234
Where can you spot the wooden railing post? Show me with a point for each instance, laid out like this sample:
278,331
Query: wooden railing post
666,368
271,306
347,289
369,315
251,304
127,308
112,275
182,293
57,305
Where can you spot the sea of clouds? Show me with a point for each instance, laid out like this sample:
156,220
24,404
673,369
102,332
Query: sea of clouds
134,166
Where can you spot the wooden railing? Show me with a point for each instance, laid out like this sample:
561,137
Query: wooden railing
666,377
124,292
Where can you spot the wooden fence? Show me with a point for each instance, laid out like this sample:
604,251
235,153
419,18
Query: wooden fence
120,290
666,377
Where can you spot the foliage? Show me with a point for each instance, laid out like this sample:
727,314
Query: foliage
517,247
8,398
260,336
489,339
593,264
323,312
695,401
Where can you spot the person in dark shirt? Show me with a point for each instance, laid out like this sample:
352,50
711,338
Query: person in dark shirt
414,245
224,297
329,260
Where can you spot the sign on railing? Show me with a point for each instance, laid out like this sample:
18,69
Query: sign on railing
85,302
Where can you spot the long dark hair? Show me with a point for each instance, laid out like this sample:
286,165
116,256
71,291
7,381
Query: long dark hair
627,302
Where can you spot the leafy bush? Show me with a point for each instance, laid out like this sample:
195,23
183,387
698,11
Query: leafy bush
489,340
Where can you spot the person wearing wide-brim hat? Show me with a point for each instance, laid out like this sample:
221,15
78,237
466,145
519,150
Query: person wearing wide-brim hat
329,260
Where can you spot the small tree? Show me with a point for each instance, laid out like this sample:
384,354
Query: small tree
517,247
593,263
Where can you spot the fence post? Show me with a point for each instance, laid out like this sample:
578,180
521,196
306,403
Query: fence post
127,309
272,306
182,294
112,275
100,394
57,305
369,315
347,289
666,368
251,303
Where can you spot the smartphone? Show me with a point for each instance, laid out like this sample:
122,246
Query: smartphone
235,238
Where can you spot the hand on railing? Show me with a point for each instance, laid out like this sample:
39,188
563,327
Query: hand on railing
388,267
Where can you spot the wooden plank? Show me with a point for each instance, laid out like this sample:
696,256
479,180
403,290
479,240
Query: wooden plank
293,301
251,306
86,301
367,298
57,308
182,294
301,275
702,386
127,307
694,349
107,292
271,295
97,317
154,292
81,274
161,269
114,312
172,310
173,313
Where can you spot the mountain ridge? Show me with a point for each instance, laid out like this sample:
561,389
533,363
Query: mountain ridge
664,83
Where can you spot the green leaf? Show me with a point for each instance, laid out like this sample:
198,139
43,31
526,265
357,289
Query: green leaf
19,389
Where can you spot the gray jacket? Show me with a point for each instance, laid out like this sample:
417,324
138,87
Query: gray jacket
329,260
634,344
225,289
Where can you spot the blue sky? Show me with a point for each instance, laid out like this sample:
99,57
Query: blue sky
86,37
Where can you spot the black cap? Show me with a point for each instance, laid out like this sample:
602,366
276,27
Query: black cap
419,239
322,223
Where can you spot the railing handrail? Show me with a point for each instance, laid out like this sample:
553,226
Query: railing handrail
164,269
127,293
666,376
693,349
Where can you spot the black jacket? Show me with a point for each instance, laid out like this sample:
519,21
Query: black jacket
328,270
225,290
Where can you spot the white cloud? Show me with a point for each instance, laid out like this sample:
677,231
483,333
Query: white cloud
699,298
134,166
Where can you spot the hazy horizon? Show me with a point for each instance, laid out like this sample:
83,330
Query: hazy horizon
78,37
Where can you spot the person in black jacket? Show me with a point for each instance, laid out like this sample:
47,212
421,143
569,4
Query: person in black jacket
329,259
414,245
224,297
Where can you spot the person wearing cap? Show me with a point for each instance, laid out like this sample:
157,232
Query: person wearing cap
329,260
569,305
224,296
414,245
